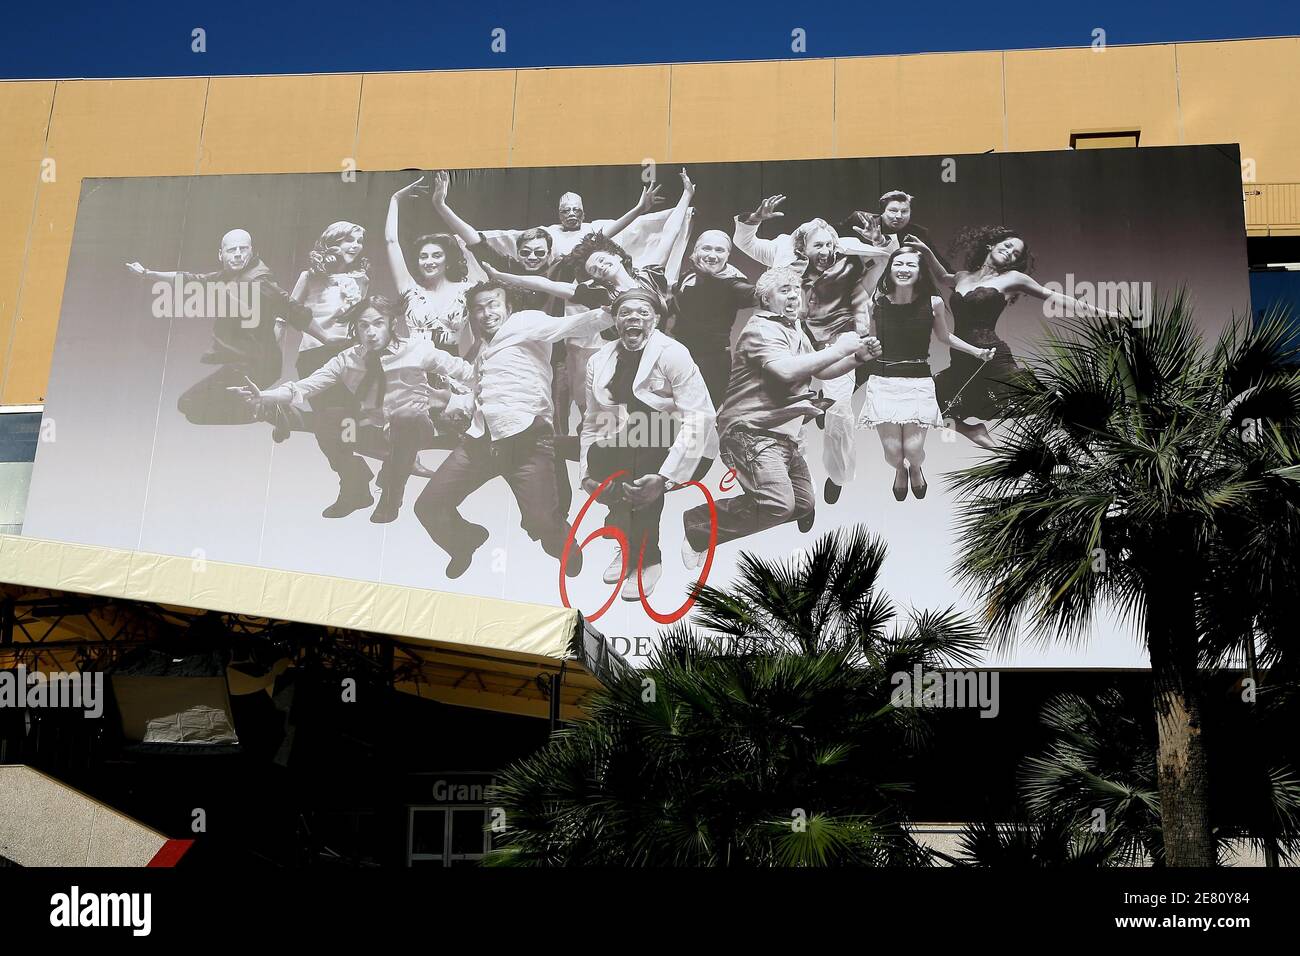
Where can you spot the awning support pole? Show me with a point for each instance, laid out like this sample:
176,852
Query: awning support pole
557,682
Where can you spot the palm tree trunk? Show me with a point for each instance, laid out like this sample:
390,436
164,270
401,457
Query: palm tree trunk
1252,671
1182,770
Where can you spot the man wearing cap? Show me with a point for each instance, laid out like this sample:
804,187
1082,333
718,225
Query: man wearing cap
649,414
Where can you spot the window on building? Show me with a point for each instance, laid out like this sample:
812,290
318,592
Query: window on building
447,835
1104,139
20,428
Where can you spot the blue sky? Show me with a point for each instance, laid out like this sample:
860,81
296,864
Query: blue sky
153,38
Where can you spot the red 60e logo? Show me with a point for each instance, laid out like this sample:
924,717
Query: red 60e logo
609,531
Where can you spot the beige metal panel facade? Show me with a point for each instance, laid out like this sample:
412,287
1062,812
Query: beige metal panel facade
726,112
918,105
590,116
280,124
1052,93
1234,91
436,120
98,128
1245,93
25,117
1272,209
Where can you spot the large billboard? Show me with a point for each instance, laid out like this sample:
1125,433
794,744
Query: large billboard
451,380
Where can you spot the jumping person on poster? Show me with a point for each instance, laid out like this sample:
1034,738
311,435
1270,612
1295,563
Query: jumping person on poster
597,269
649,414
337,277
573,226
706,299
535,249
900,404
386,379
247,305
525,252
997,262
838,273
510,434
890,225
761,421
434,295
642,227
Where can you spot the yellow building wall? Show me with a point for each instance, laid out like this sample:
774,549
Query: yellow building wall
279,124
100,128
722,112
421,120
930,104
1245,93
1235,91
1052,93
25,118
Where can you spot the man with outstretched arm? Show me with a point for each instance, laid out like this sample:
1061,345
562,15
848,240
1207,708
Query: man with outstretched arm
761,423
387,377
838,274
245,334
511,433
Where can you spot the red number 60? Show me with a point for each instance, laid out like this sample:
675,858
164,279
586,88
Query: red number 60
609,531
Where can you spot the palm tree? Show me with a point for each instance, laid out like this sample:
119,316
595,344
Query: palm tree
1050,842
1098,775
1138,461
767,740
1090,798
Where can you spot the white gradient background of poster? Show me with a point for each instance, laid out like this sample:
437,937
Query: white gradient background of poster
127,470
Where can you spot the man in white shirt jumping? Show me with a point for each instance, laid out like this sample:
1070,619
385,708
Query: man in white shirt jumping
649,415
511,431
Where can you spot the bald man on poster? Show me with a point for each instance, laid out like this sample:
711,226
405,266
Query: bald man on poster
243,301
573,226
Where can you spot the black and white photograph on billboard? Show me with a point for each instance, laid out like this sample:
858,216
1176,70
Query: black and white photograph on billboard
595,386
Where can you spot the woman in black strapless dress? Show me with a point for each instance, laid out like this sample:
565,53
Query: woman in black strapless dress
997,262
969,387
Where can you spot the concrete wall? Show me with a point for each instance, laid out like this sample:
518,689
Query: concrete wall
58,132
44,822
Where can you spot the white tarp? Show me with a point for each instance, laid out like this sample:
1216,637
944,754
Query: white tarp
484,624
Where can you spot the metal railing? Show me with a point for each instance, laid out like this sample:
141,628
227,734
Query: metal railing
1272,208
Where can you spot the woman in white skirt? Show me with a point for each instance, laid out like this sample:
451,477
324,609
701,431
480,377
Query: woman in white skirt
901,404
